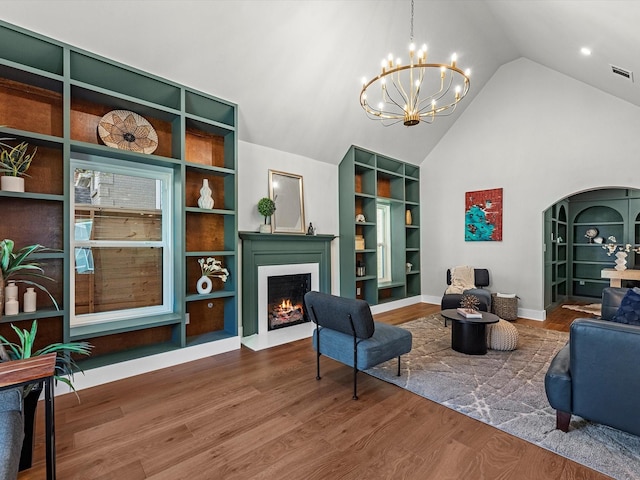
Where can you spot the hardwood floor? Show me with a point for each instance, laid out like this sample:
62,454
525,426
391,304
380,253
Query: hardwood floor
262,415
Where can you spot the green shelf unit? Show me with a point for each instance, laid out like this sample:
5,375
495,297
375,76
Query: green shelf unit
66,91
588,259
613,212
412,190
37,315
36,53
102,73
366,178
556,253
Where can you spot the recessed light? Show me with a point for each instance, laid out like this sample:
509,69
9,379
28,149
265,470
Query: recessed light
585,51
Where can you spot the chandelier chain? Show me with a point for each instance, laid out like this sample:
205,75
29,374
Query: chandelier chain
411,36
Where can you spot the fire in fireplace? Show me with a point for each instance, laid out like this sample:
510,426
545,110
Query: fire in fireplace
285,295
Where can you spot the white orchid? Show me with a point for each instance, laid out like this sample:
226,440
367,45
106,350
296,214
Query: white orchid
613,246
213,268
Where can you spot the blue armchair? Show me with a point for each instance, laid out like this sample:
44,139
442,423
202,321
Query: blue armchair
595,375
345,331
12,428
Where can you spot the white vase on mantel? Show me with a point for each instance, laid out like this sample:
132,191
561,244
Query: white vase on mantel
621,261
11,184
265,228
205,200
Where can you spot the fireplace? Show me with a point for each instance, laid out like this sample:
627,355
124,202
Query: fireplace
285,300
304,258
289,283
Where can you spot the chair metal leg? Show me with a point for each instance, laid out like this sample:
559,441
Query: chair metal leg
355,360
398,365
355,383
317,350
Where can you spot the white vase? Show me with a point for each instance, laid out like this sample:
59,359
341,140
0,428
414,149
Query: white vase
205,200
621,261
265,228
11,291
30,297
204,284
11,307
12,184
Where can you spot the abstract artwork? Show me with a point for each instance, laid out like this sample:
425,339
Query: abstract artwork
483,215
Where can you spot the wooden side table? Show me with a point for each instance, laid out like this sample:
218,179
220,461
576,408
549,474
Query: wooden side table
616,276
19,373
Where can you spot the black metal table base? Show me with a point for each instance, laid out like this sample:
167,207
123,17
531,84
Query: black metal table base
469,338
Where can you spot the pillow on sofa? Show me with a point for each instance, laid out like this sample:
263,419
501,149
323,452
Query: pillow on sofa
629,309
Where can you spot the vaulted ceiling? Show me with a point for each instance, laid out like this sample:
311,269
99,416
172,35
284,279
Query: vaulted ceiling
294,67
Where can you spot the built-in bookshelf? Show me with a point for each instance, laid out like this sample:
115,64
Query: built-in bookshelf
53,95
367,179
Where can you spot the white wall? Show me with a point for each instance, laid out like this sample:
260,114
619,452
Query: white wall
319,183
539,135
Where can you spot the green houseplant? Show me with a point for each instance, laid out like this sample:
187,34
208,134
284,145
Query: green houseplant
14,163
65,363
65,367
266,208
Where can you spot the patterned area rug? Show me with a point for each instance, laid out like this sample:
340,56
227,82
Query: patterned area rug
506,390
592,308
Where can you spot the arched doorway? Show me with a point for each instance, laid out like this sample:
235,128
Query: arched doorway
576,228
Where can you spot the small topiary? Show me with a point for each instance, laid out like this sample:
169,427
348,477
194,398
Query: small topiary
266,207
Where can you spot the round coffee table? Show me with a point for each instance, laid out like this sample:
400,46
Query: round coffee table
468,335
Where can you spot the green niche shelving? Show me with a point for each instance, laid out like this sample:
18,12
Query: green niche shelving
53,95
365,179
556,254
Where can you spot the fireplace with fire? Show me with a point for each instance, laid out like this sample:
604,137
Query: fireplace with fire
285,299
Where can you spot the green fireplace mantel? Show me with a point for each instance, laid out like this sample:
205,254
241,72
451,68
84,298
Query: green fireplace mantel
259,249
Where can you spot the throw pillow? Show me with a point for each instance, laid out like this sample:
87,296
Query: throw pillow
629,309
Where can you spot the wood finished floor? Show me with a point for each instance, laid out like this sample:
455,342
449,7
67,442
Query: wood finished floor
262,415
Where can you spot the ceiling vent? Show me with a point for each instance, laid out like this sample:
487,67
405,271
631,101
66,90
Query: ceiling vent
628,74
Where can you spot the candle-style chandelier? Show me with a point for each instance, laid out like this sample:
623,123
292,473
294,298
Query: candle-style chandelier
414,93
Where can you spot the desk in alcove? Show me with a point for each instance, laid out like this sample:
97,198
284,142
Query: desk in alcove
616,276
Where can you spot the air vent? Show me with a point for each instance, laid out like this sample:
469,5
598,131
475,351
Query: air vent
628,74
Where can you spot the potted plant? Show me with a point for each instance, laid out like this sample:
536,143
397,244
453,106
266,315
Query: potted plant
14,163
65,368
15,264
266,207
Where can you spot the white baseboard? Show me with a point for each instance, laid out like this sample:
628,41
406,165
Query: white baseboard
531,314
431,299
385,307
138,366
527,313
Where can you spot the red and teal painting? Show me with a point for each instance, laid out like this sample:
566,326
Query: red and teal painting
483,216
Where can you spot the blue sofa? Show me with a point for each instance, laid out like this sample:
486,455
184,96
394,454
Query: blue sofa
595,375
346,332
12,432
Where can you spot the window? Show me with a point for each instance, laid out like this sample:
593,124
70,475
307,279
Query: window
122,241
383,219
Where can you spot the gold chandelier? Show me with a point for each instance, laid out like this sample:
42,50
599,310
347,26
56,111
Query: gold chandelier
414,93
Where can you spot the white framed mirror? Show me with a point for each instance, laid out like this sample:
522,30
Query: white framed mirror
285,189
